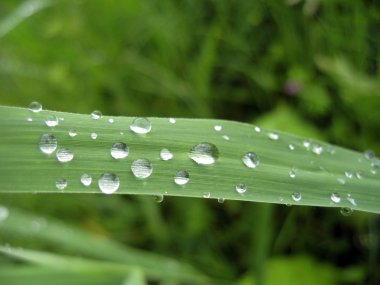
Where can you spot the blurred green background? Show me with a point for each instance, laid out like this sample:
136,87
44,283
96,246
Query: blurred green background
307,67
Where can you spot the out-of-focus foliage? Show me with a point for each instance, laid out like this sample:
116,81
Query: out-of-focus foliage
309,67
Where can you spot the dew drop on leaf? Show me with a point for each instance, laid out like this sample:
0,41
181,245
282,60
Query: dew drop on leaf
48,143
206,195
296,196
317,149
172,120
292,146
35,107
181,177
141,125
273,136
292,173
61,183
29,119
251,160
94,136
241,188
218,128
4,213
64,155
346,211
166,154
221,200
119,150
108,183
111,120
96,115
51,121
159,198
335,197
369,154
141,168
351,200
204,153
227,138
86,179
72,133
348,174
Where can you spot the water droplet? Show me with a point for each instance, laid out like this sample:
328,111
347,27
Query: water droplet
240,188
4,213
29,119
296,196
206,195
165,154
351,200
292,146
292,173
61,119
64,155
141,125
35,107
257,129
306,144
172,120
61,183
141,168
86,179
227,138
72,133
96,115
369,154
348,174
204,153
341,181
94,136
159,198
181,177
218,128
251,160
335,197
346,211
359,175
317,149
111,120
48,143
51,121
273,136
108,183
119,150
221,200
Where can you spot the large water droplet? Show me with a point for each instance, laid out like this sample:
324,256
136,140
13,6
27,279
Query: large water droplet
4,213
141,125
204,153
111,120
346,211
86,179
35,107
119,150
61,183
240,188
317,149
181,177
172,120
206,195
166,154
96,115
335,197
48,143
72,133
296,196
64,155
218,128
94,136
141,168
108,183
251,160
273,136
51,121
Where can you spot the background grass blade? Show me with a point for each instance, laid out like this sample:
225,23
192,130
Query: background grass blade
319,168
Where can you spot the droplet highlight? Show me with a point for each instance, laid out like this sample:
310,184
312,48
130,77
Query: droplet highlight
64,155
204,153
72,133
166,154
251,160
141,125
108,183
35,107
296,196
96,115
273,136
61,183
51,121
181,177
241,188
94,136
218,128
335,197
142,168
119,150
86,179
48,143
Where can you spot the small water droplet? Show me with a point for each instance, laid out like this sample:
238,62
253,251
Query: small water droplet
351,200
172,120
341,181
257,129
111,120
296,196
241,188
72,133
359,175
306,144
51,121
48,143
141,125
119,150
292,146
86,179
251,160
141,168
108,183
94,136
369,154
181,177
348,174
96,115
64,155
292,173
221,200
61,183
204,153
159,198
35,107
61,119
273,136
346,211
227,138
29,119
206,195
166,154
218,128
317,149
335,197
4,213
